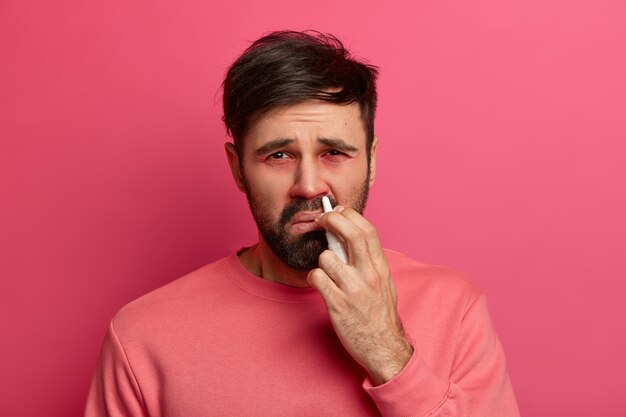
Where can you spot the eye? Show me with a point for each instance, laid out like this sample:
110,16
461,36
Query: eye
335,155
278,155
278,158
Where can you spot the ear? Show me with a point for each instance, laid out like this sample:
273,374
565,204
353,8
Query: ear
373,161
235,165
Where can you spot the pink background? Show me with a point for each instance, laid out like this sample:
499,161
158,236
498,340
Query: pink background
502,154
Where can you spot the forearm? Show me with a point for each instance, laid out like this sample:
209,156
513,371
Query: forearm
389,355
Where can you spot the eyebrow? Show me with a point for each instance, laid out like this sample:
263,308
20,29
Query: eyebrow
272,146
339,144
275,144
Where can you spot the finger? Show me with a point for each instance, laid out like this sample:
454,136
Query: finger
371,236
320,280
335,269
351,234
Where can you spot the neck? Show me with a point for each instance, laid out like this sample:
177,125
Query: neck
261,261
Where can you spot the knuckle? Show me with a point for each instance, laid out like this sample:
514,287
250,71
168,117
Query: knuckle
373,280
313,276
325,257
328,290
316,273
370,231
354,233
348,211
331,216
330,265
340,304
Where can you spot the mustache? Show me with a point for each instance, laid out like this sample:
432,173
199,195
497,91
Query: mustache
302,204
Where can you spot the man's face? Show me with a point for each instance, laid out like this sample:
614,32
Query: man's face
291,158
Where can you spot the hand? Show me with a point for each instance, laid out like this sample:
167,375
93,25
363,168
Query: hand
361,297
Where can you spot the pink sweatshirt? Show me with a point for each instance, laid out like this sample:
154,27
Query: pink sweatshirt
223,342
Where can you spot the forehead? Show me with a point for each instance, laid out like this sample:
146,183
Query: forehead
310,119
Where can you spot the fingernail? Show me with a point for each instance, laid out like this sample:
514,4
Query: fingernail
339,208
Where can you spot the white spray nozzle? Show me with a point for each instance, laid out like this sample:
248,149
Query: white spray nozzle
334,244
326,204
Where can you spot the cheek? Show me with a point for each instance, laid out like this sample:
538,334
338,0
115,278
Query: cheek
352,179
349,191
268,192
272,187
264,203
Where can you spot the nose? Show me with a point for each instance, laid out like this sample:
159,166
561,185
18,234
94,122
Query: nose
309,181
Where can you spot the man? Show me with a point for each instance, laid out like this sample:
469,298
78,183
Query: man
285,328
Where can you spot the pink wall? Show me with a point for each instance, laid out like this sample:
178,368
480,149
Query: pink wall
502,154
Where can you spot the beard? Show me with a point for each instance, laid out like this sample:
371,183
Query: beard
300,252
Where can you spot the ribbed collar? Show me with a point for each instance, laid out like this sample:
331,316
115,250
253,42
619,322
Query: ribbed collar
261,287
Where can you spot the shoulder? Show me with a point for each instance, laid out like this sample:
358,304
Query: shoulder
421,279
433,302
173,301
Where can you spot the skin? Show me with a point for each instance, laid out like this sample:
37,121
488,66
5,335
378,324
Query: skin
306,151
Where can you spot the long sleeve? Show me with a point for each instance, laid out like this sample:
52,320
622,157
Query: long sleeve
478,385
114,391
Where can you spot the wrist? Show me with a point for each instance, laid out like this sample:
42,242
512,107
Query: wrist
389,364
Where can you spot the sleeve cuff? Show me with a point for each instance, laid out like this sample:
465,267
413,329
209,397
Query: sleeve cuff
415,391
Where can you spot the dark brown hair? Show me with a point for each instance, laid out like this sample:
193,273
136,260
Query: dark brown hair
287,67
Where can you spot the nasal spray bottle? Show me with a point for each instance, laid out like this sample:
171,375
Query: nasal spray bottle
334,244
